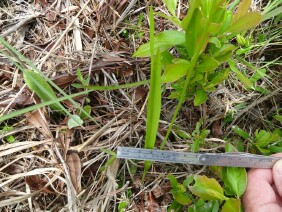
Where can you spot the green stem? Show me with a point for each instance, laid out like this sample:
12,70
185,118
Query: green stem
181,100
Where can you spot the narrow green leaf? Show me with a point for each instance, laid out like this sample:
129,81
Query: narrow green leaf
271,13
171,6
42,89
172,19
201,97
240,132
207,188
154,101
235,179
218,78
108,152
224,52
162,42
173,181
259,74
239,74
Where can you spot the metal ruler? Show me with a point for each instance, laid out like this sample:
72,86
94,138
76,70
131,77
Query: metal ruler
232,159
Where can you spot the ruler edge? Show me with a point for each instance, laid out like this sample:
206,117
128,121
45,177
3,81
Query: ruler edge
256,157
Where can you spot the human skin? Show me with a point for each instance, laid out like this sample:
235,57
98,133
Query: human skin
264,189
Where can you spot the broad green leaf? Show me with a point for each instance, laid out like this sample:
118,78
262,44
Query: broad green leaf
201,97
193,4
215,41
224,52
242,9
174,72
232,205
212,9
208,65
226,21
166,59
122,206
87,109
173,19
74,121
214,28
198,76
240,132
196,34
207,188
38,85
218,15
204,206
235,179
248,21
171,6
239,74
182,198
175,207
263,138
162,42
173,181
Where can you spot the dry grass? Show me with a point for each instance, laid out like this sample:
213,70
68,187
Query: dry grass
59,37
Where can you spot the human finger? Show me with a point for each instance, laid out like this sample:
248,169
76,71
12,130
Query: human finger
277,175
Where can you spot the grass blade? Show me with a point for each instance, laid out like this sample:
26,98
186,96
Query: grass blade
154,102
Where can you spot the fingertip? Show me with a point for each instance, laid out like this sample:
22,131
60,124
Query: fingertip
277,176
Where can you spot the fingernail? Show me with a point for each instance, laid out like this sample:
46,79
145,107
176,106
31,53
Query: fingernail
278,167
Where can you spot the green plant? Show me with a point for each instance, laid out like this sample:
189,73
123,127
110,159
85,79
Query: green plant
263,141
41,85
154,101
198,136
6,129
201,193
203,45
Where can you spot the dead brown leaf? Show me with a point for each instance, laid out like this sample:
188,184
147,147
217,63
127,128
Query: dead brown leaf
13,169
140,93
74,164
153,206
64,80
37,184
89,31
38,119
64,139
21,100
217,129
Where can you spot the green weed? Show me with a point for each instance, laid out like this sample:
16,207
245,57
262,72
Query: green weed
203,45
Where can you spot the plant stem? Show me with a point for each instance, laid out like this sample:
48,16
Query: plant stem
181,99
